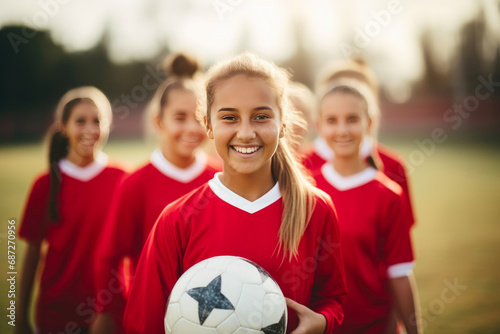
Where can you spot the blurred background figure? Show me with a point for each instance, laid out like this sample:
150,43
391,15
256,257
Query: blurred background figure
174,169
67,209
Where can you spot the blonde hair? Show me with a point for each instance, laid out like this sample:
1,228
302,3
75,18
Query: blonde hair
365,95
298,193
303,101
354,70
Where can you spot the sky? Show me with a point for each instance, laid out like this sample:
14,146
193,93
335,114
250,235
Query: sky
386,31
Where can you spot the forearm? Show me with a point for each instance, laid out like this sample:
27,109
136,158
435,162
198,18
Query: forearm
28,275
405,295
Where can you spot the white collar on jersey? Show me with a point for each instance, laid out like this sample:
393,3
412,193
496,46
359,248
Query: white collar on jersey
84,173
183,175
325,152
347,182
230,197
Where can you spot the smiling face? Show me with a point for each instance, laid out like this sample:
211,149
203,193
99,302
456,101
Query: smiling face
83,129
343,122
245,123
181,133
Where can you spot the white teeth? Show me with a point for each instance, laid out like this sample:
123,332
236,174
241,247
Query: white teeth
246,150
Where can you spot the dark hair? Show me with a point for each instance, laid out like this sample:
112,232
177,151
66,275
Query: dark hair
184,73
181,65
58,149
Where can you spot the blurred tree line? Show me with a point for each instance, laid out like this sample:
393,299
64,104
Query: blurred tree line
35,72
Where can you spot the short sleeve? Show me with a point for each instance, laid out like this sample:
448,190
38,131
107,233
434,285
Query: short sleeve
396,241
35,216
329,287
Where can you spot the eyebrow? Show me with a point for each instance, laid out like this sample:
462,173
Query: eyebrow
254,109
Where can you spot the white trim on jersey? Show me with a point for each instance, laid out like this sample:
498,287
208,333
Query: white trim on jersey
325,152
230,197
184,175
84,173
347,182
400,269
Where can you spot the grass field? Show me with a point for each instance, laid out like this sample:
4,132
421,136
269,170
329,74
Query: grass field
456,193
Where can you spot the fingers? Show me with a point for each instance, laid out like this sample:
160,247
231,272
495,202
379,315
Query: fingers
299,308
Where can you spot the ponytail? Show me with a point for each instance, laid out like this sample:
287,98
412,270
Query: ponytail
59,143
297,191
58,149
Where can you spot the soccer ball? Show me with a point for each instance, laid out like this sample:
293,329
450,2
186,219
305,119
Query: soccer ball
226,294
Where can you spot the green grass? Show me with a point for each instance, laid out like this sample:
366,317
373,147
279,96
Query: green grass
456,193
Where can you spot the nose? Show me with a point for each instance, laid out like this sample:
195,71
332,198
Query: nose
342,128
194,126
246,131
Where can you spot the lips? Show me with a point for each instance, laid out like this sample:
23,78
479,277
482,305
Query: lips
88,141
246,149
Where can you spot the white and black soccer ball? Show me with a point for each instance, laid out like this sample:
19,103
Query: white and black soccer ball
226,294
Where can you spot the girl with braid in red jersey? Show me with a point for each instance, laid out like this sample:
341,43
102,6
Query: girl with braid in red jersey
175,168
66,210
373,221
261,207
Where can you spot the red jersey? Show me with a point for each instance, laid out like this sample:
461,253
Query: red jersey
376,243
213,221
392,164
141,198
85,196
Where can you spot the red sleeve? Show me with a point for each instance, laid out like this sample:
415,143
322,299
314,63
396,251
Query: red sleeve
396,242
121,238
329,287
159,268
35,216
395,169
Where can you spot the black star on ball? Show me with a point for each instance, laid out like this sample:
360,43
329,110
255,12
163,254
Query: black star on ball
209,298
278,328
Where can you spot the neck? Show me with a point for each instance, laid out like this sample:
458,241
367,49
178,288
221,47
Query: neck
81,161
347,166
175,159
249,186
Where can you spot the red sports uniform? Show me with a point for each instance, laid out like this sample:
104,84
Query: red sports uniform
213,221
376,243
142,197
392,164
66,296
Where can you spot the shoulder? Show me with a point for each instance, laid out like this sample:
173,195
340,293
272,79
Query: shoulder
189,204
387,186
389,156
41,181
118,167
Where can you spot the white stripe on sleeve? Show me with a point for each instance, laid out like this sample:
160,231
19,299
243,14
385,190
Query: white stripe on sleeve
400,269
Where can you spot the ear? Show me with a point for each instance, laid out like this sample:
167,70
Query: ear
282,130
369,127
208,128
157,122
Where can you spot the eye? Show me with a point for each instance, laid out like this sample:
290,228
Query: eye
331,120
352,119
80,121
261,117
229,118
97,121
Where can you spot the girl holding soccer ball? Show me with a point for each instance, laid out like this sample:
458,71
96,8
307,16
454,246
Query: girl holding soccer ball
175,168
374,221
261,207
66,209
